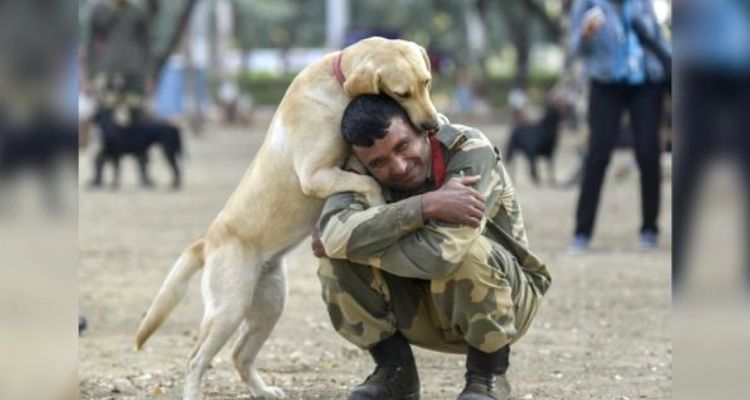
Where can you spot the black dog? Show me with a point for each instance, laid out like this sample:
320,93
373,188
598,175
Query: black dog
40,146
136,138
538,139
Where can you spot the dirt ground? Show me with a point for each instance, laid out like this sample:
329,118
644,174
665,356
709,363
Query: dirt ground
603,331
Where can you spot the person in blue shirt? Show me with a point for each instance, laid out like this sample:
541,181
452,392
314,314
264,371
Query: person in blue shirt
624,75
713,78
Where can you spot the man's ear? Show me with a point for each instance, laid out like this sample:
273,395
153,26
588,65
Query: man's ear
364,80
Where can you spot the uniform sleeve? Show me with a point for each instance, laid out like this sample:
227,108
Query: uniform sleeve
414,249
350,230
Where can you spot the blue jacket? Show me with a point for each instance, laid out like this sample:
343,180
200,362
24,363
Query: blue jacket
713,33
602,54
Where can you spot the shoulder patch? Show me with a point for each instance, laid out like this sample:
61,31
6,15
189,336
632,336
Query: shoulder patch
452,137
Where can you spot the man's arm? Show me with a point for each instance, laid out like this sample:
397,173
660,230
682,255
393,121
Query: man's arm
579,37
414,248
345,214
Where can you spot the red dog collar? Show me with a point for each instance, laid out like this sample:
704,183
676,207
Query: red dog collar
337,68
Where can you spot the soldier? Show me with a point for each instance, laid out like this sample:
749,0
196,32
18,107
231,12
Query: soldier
444,265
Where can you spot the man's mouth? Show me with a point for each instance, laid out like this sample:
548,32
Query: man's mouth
408,176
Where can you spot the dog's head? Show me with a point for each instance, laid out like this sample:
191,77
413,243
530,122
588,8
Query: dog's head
400,69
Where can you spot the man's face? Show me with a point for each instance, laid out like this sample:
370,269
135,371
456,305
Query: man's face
398,160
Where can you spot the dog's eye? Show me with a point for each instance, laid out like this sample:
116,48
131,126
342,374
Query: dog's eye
403,95
427,83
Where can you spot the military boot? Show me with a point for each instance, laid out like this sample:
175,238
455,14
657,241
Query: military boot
485,375
395,376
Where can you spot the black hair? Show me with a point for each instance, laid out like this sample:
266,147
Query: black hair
367,118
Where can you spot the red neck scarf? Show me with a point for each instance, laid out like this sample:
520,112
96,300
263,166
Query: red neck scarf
438,163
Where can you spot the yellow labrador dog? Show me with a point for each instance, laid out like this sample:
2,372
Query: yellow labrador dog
279,199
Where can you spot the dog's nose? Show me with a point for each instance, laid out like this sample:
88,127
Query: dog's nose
429,126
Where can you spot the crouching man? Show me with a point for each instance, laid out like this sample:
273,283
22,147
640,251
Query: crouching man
444,265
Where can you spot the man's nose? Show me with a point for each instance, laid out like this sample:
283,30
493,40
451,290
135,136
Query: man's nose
399,166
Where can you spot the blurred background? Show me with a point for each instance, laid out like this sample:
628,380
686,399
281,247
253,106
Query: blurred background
231,60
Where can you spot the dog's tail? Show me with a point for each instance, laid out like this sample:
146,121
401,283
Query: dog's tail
172,291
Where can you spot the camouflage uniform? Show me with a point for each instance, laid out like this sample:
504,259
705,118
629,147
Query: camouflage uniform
118,59
441,285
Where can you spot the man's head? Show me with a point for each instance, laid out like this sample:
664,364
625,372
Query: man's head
384,139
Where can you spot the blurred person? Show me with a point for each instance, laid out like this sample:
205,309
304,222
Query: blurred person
445,265
116,57
624,76
36,133
713,106
117,71
464,95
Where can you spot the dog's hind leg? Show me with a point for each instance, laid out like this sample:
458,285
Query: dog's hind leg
268,303
143,169
533,169
99,161
510,149
551,171
171,145
171,156
230,277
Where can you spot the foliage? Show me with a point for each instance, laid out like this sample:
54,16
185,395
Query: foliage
279,23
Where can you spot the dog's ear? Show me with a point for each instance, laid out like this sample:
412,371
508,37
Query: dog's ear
364,80
426,58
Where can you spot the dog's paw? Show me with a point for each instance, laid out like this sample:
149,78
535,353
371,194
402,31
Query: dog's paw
375,199
270,392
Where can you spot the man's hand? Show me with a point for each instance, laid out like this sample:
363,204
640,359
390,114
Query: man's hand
317,245
593,19
149,88
88,87
455,202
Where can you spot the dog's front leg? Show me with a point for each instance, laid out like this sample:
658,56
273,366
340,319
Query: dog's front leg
324,182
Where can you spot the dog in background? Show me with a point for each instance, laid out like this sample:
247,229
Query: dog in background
539,139
136,138
279,199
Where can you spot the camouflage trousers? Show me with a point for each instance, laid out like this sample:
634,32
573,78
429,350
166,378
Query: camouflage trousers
487,302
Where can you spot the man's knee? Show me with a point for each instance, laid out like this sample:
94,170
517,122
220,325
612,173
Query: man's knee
476,266
345,276
355,302
477,299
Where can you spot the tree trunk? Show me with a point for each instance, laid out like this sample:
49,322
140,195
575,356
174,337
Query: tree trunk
522,44
183,21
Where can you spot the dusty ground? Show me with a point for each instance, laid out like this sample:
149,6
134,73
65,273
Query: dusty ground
602,332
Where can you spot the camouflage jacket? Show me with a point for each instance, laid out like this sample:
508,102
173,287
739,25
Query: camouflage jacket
394,237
